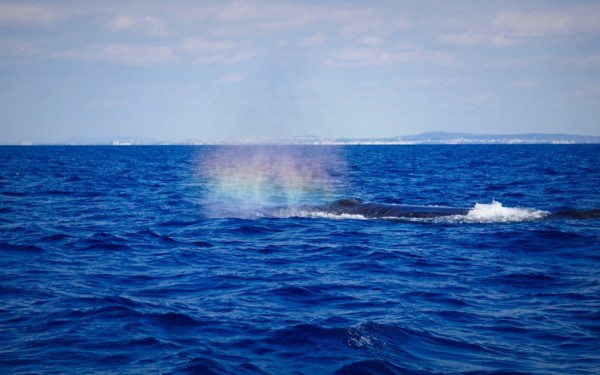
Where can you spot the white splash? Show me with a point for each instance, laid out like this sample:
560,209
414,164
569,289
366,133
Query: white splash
496,212
327,215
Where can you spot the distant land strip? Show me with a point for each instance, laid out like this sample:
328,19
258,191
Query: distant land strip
433,138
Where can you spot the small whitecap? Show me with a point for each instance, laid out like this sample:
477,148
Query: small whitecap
496,212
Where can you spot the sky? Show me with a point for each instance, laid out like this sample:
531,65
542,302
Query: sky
182,69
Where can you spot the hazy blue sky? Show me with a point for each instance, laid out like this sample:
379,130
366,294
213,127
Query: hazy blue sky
174,70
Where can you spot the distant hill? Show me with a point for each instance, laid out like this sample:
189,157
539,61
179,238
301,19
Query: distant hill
443,137
424,138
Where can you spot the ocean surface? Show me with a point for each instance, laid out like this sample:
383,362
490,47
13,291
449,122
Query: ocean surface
247,259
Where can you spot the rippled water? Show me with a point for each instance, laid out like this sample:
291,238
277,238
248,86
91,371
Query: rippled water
162,260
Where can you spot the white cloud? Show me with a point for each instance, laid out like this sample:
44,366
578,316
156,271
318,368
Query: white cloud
243,17
233,57
381,57
15,47
591,90
137,23
522,84
314,40
28,14
477,98
201,46
215,51
360,20
121,54
467,39
231,78
240,10
541,23
589,61
463,39
265,17
430,82
372,41
138,54
500,40
230,32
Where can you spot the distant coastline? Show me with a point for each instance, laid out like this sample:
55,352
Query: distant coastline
429,138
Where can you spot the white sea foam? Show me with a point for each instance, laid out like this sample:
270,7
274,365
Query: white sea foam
329,215
496,212
288,212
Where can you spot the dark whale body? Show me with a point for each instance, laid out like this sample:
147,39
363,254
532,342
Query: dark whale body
376,210
577,214
351,206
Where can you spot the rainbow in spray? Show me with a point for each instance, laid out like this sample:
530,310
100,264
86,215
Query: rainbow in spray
244,179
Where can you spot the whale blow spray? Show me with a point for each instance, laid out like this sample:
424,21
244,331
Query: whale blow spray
243,179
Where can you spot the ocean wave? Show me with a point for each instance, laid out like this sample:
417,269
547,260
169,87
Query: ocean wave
417,278
20,248
377,367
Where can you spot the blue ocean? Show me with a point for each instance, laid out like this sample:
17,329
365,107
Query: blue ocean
401,259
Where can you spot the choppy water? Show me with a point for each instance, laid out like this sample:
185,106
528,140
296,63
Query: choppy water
170,260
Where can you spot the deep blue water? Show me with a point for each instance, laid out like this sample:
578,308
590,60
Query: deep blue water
205,260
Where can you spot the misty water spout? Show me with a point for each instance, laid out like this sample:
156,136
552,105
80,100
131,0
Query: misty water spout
246,178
